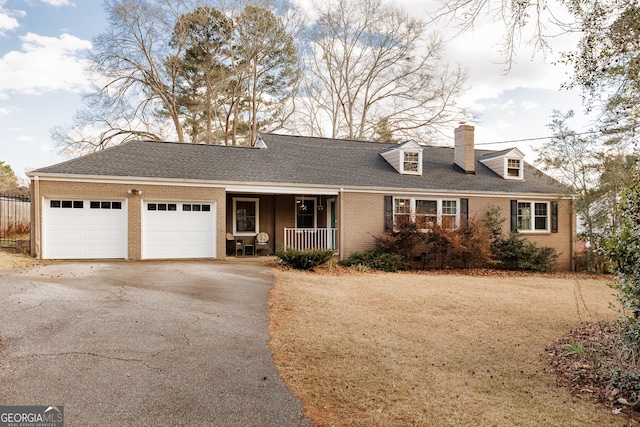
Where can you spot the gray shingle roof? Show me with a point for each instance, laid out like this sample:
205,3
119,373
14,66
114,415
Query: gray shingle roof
296,160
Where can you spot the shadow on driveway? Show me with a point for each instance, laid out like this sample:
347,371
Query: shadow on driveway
143,343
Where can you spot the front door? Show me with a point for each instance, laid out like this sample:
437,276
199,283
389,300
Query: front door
331,222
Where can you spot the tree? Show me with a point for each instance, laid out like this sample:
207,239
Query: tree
168,70
595,170
8,180
371,70
607,59
206,35
623,249
269,58
575,161
136,91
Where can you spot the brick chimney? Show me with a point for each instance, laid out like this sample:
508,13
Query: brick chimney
463,151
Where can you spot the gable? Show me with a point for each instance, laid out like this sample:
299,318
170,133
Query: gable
406,158
508,164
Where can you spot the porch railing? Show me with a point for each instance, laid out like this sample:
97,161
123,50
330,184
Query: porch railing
310,238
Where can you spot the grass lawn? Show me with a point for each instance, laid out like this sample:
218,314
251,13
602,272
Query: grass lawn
10,258
381,349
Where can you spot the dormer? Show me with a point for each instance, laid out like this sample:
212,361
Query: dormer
509,164
406,157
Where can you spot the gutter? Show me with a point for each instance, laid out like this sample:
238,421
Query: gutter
293,188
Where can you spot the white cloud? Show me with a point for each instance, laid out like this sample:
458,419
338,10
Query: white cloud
58,3
8,21
44,64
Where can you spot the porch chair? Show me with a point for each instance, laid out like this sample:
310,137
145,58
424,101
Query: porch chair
262,242
233,245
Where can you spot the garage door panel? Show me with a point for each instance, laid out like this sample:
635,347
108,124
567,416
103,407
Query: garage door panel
178,233
80,232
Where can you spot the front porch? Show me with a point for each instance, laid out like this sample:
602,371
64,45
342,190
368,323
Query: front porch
285,221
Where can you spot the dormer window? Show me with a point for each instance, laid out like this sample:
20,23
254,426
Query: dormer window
405,158
513,168
411,162
509,164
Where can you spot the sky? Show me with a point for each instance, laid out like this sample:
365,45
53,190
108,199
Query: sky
44,43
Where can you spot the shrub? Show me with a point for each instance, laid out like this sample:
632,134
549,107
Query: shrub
517,253
304,260
438,247
405,240
463,247
375,260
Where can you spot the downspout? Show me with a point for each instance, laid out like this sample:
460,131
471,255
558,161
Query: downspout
36,248
341,224
574,231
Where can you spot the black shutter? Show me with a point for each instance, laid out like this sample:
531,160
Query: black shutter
554,216
388,213
464,213
514,215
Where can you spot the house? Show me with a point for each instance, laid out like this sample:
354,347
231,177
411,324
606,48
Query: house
161,200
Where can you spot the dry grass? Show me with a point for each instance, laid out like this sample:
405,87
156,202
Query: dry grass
378,349
10,258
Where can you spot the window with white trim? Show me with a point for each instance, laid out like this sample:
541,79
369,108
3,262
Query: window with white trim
411,162
533,216
449,217
245,216
514,168
401,211
426,212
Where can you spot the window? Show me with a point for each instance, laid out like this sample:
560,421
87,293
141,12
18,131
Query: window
411,162
426,212
533,216
67,204
245,216
401,211
105,205
158,206
449,214
305,213
513,168
187,207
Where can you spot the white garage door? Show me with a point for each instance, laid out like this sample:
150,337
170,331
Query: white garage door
84,229
178,230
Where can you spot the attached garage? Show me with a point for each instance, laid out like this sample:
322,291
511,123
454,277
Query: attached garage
178,230
84,229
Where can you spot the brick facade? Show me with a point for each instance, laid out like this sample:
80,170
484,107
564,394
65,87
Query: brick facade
120,192
364,220
359,215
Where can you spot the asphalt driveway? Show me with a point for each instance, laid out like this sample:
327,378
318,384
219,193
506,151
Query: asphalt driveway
143,343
